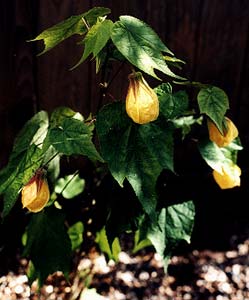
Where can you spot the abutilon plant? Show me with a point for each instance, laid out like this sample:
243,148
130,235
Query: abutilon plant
136,142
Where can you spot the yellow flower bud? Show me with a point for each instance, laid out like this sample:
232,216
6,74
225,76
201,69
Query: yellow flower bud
231,132
35,194
142,104
229,178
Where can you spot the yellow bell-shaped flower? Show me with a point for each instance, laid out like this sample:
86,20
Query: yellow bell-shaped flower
35,194
142,104
231,132
229,178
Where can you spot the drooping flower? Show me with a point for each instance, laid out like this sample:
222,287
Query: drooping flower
230,133
229,178
142,104
35,194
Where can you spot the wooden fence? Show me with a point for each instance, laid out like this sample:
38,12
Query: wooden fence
212,36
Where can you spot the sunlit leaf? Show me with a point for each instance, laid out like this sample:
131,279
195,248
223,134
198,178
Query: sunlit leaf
141,46
27,156
140,243
231,151
96,38
223,161
70,186
75,233
73,137
173,59
212,154
73,25
112,250
33,132
185,123
213,102
52,160
61,113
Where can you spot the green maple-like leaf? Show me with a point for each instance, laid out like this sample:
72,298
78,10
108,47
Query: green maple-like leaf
33,132
48,244
27,156
73,25
96,38
61,113
137,153
172,105
213,102
176,223
141,46
18,174
73,137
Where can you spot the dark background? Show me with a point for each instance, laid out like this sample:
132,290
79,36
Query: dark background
212,36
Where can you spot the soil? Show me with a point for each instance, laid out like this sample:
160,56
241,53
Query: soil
202,275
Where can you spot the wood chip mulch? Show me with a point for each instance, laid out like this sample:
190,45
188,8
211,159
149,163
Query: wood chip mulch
198,275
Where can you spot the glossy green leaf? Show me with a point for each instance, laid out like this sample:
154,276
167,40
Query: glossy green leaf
135,152
61,113
141,46
31,136
19,175
52,160
48,244
33,132
73,25
213,102
96,38
70,186
27,156
176,223
231,151
172,105
173,61
73,137
164,88
75,233
212,154
112,250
